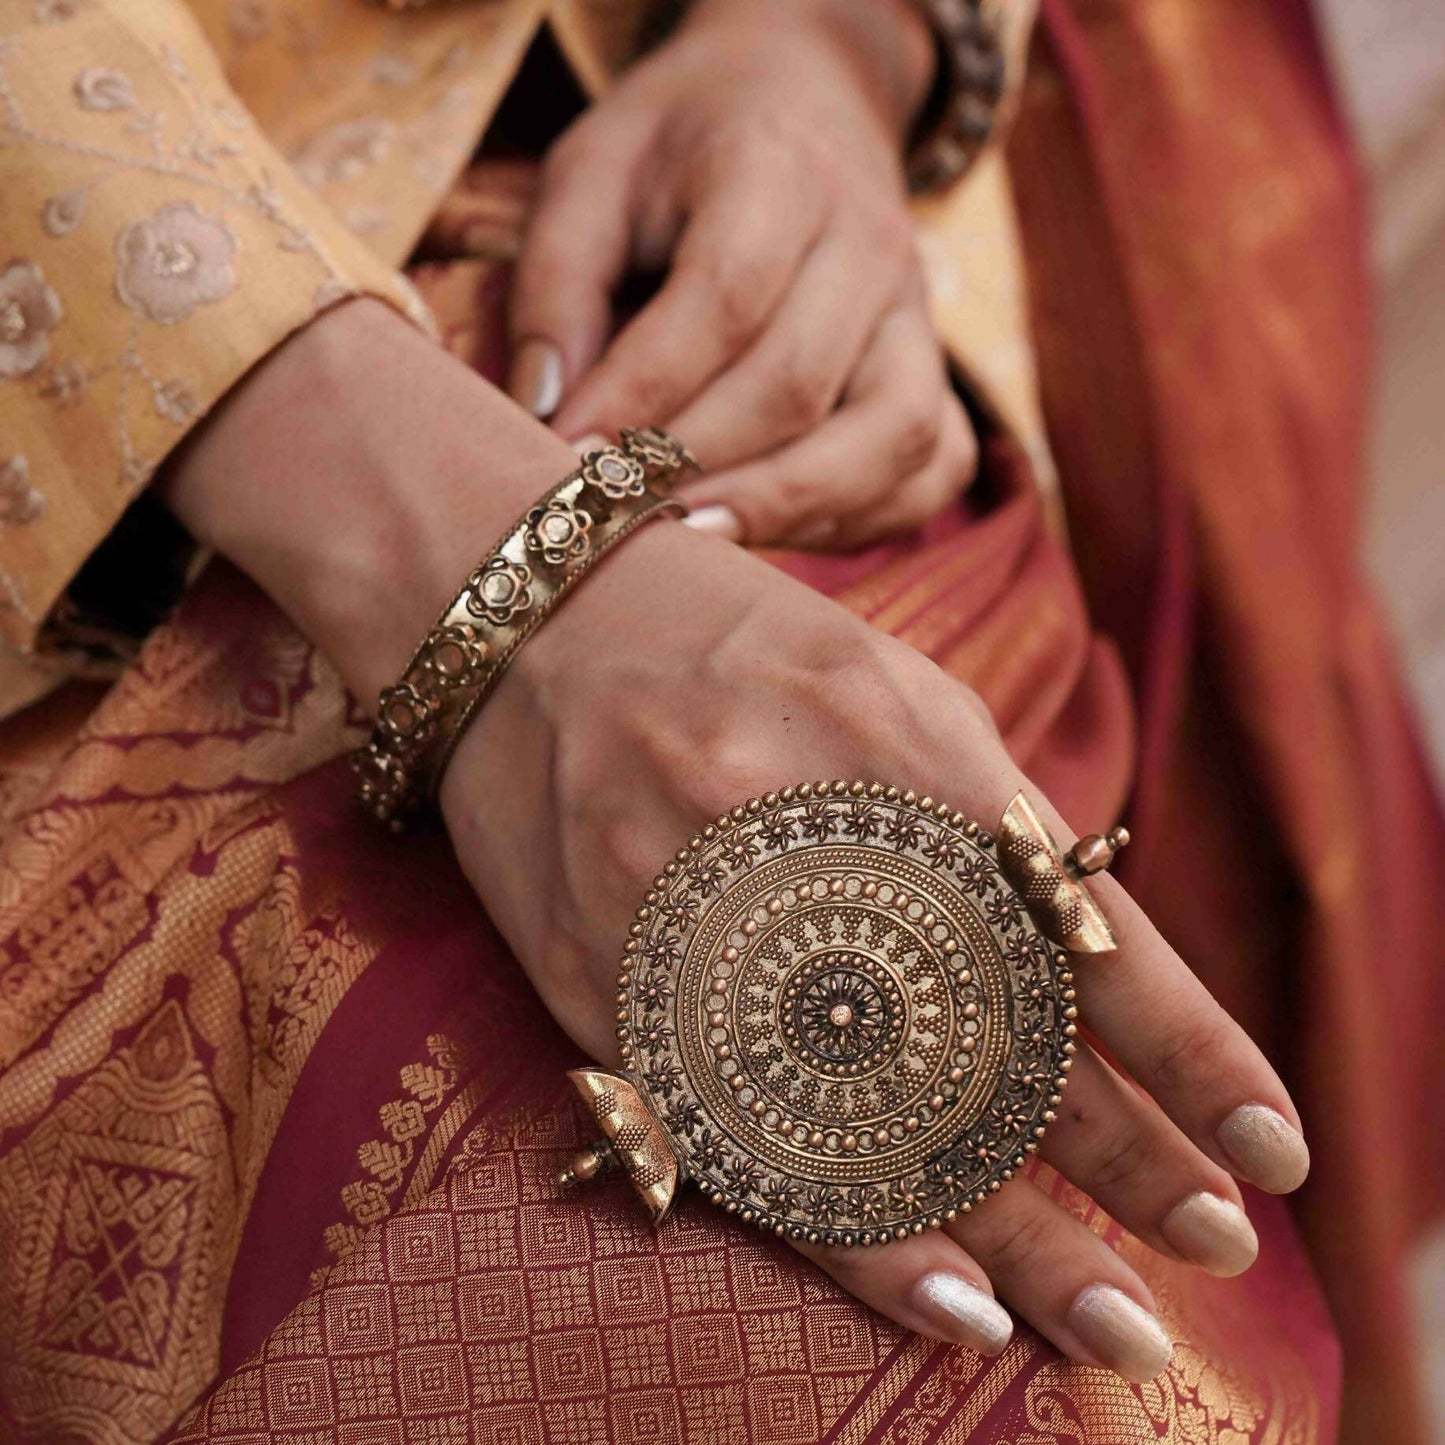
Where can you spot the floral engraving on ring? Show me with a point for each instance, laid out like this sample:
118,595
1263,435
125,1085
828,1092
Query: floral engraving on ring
656,450
20,502
405,715
172,263
29,312
559,531
499,590
383,778
455,656
98,87
614,473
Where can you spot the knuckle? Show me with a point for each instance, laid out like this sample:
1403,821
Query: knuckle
917,429
957,455
1193,1049
1018,1241
795,499
801,393
853,675
1120,1159
638,396
628,852
739,287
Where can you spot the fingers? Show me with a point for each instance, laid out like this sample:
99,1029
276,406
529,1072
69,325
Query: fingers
1052,1269
1167,1031
950,472
926,1284
895,451
576,248
1153,1016
740,251
793,374
1120,1149
1065,1281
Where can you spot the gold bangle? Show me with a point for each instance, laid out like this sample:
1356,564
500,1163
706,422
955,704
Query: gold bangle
972,74
421,718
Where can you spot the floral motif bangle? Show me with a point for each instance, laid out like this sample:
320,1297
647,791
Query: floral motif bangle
420,719
972,72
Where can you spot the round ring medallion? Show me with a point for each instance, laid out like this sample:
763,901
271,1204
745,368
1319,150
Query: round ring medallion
843,1015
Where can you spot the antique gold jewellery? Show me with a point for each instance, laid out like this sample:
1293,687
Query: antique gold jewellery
846,1012
419,721
972,75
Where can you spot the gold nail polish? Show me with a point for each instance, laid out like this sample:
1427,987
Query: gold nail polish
964,1312
1212,1233
1120,1333
1265,1148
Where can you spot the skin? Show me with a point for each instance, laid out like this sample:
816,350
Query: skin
352,474
756,157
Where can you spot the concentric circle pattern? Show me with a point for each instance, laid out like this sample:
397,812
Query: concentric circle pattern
843,1015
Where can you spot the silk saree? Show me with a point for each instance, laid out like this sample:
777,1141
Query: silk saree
279,1112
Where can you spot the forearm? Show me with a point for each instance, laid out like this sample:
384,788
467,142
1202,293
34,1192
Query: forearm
357,474
886,43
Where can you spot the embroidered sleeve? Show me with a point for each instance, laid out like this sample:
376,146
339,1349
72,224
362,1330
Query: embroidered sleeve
153,246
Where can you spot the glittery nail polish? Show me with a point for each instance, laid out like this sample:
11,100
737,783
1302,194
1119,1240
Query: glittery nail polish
1122,1334
1265,1148
1213,1233
964,1312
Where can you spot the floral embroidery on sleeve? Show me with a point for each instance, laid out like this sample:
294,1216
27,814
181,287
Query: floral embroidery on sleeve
177,260
29,312
20,503
97,88
163,247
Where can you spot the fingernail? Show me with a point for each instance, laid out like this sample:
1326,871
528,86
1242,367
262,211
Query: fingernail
718,520
1121,1334
536,377
594,441
1212,1233
1265,1148
965,1313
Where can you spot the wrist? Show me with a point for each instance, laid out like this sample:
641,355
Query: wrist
357,474
887,44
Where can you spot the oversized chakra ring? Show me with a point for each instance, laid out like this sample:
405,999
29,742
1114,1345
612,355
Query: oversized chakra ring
846,1012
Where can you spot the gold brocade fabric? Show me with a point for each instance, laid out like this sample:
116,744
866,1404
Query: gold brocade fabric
243,1028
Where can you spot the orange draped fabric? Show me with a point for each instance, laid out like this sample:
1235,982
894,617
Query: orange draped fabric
1195,235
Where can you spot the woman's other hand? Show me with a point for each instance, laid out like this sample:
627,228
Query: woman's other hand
756,157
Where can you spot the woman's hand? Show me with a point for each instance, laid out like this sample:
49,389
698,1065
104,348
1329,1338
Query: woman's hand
756,157
687,676
357,474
